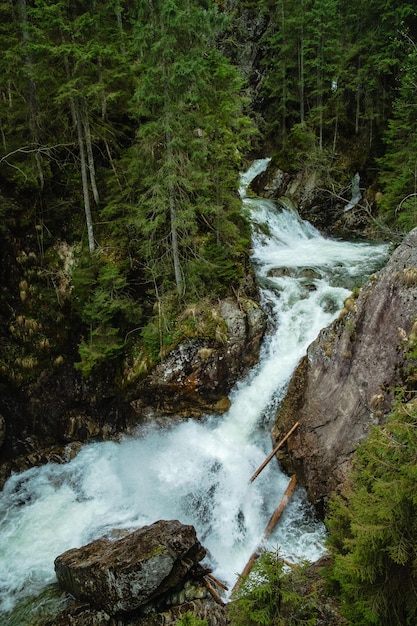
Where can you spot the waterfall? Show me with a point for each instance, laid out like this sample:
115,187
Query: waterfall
356,193
197,471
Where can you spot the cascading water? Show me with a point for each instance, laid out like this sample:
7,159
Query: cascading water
197,471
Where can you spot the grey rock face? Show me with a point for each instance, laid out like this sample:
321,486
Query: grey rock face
122,575
197,375
345,382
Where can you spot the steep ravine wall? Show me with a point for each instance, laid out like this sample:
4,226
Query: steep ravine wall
345,382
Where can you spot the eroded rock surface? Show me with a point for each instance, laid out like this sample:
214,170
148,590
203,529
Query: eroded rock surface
318,203
125,574
197,376
345,382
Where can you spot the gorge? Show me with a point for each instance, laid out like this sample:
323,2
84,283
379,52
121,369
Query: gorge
158,335
198,471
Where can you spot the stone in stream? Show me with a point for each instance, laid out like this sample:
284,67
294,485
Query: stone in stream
125,574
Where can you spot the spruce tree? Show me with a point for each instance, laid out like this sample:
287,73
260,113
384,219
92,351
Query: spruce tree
373,528
181,170
399,164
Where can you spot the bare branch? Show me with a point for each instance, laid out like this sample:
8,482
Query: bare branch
31,150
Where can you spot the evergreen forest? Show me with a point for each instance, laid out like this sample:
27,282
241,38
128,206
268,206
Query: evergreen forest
124,126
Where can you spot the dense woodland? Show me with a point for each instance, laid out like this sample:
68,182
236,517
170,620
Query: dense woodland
123,129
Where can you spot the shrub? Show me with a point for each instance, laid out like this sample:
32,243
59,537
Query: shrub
188,619
373,527
271,596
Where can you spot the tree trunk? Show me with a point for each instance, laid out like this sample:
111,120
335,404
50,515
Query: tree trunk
90,156
174,242
77,115
283,82
119,19
84,177
172,205
320,61
358,101
335,134
268,530
31,88
301,79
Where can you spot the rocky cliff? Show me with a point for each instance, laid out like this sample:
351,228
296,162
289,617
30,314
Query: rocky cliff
346,381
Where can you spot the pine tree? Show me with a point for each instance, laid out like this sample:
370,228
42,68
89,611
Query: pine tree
373,529
270,596
181,170
322,63
399,164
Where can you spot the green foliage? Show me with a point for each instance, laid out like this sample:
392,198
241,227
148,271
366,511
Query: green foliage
136,110
399,164
103,300
269,596
173,323
181,173
331,73
103,343
373,528
188,619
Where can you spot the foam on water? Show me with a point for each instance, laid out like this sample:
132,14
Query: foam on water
197,472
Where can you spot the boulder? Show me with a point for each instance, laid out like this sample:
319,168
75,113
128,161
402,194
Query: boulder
197,376
124,574
345,383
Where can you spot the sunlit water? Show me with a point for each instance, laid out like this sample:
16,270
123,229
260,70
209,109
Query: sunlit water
197,471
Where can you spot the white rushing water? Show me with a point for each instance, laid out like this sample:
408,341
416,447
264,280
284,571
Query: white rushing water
197,471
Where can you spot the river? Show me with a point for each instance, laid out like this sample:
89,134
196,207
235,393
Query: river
197,471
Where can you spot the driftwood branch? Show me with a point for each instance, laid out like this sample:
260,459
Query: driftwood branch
213,592
273,453
268,530
217,582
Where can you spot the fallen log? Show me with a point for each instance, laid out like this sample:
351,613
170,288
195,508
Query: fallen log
218,582
213,592
268,530
273,453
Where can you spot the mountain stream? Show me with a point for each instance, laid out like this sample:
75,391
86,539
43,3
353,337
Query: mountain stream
197,471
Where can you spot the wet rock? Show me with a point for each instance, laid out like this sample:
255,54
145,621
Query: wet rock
41,456
301,187
196,376
317,203
345,383
124,574
81,614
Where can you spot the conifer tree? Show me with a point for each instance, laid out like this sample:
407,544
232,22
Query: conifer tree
399,164
373,529
187,106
